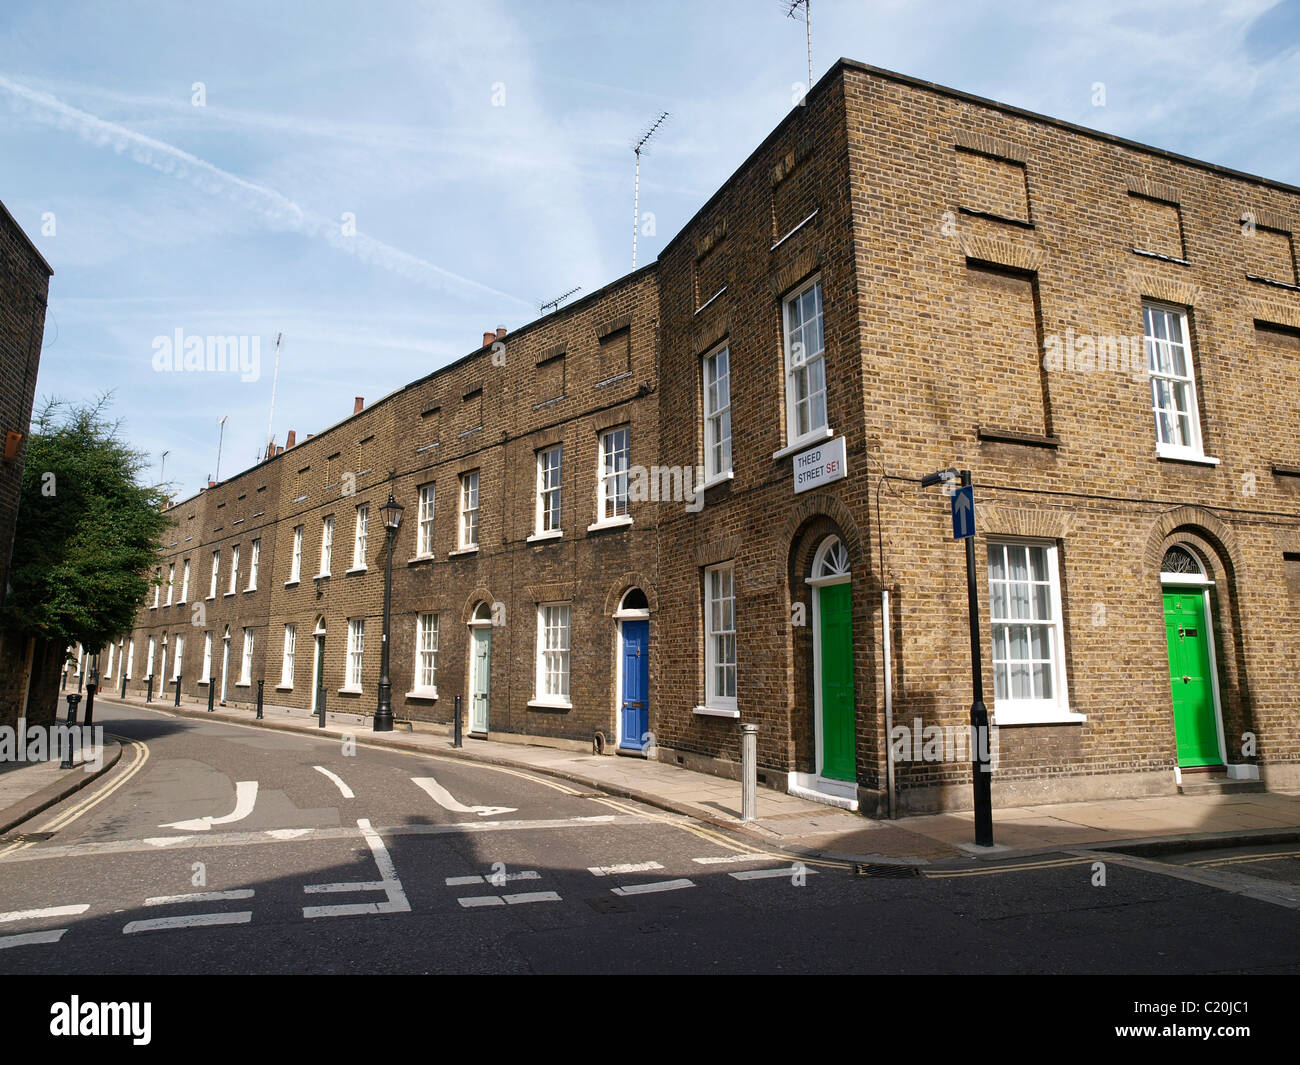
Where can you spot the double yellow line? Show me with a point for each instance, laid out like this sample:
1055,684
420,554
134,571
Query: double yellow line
1055,863
139,756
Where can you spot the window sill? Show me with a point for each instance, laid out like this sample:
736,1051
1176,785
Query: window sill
804,441
203,684
1162,258
716,479
355,569
211,598
320,577
1030,715
610,523
552,534
715,711
550,704
989,435
349,690
284,687
243,684
290,584
1191,457
229,594
252,589
419,558
463,551
423,693
1270,281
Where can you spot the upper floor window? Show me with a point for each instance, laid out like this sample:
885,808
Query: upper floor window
295,562
1173,381
254,560
615,449
359,537
717,414
157,589
548,490
326,545
216,568
469,510
424,544
805,365
171,581
185,581
234,570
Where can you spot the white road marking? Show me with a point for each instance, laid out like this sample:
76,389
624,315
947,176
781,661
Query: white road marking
657,885
194,920
388,884
729,859
784,871
347,792
29,938
531,896
482,900
444,798
200,896
166,841
287,833
245,799
49,911
492,878
626,867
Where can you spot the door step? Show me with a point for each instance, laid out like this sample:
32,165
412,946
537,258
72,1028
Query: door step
1216,782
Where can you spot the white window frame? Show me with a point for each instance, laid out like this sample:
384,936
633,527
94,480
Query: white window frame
295,561
185,581
613,493
108,667
424,521
178,653
796,363
554,655
207,658
467,518
360,538
171,582
152,649
130,659
233,586
355,655
1011,711
246,661
326,545
424,678
254,561
157,591
548,516
717,415
287,656
216,572
715,703
1178,447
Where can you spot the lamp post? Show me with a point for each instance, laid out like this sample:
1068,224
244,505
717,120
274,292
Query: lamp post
391,513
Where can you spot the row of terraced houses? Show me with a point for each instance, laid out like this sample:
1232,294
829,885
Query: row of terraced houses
692,499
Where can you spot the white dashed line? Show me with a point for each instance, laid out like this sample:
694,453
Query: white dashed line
51,911
492,878
475,901
482,900
729,859
388,883
31,938
347,792
626,867
196,920
784,871
354,885
200,896
657,885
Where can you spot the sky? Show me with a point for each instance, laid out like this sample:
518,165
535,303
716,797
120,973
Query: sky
382,182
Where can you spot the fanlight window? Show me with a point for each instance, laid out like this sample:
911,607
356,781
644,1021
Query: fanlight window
482,612
1180,560
832,559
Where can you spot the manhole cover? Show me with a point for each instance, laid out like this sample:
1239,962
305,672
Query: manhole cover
609,905
883,871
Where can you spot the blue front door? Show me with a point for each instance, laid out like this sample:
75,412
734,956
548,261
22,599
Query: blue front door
635,726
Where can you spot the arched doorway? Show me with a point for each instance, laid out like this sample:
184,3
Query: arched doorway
633,671
318,666
1193,669
834,712
480,668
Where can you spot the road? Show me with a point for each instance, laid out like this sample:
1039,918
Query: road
221,848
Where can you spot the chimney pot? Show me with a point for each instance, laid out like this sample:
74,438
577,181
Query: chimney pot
212,483
279,450
358,404
488,337
501,332
293,438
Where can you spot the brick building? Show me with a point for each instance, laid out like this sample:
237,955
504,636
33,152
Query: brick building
24,289
693,497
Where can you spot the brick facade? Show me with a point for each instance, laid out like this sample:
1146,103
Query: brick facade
952,241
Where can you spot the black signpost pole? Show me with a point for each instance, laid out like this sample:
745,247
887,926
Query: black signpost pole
979,713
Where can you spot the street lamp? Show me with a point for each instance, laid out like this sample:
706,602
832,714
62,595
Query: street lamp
391,514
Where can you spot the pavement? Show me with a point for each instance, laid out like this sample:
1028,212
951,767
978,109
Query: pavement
786,822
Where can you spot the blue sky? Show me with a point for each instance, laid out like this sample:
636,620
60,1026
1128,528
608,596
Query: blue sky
227,219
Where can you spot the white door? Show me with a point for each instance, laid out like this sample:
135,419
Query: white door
480,674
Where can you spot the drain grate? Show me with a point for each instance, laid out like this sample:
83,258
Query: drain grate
883,871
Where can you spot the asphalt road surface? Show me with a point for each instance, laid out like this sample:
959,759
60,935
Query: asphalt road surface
220,848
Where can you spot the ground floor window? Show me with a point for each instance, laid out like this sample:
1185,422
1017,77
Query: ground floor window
720,636
356,645
426,652
553,652
1028,640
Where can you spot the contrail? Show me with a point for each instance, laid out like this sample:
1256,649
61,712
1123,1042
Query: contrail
279,210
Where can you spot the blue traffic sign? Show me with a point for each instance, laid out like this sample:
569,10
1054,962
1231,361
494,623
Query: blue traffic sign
963,513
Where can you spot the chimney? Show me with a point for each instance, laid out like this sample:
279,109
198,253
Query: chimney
501,332
212,483
293,438
358,404
488,337
310,435
279,450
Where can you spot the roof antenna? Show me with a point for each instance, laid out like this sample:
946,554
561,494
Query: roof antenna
638,148
275,380
555,303
792,8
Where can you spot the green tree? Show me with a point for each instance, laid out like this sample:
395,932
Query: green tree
88,533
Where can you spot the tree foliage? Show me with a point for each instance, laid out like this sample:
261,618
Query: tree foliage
88,534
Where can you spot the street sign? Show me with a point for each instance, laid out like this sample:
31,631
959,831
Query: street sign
820,465
963,513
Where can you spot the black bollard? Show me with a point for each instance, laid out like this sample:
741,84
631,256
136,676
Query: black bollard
91,688
124,684
148,688
177,682
73,699
320,701
259,699
212,692
455,737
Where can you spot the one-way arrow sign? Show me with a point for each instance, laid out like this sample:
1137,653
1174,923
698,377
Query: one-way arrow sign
963,513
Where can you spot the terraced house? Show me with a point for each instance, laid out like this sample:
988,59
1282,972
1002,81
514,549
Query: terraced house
692,499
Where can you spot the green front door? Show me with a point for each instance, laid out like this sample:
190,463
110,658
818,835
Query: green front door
1188,636
836,651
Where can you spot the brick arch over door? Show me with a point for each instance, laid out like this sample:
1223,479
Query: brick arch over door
821,505
623,585
478,595
1213,528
